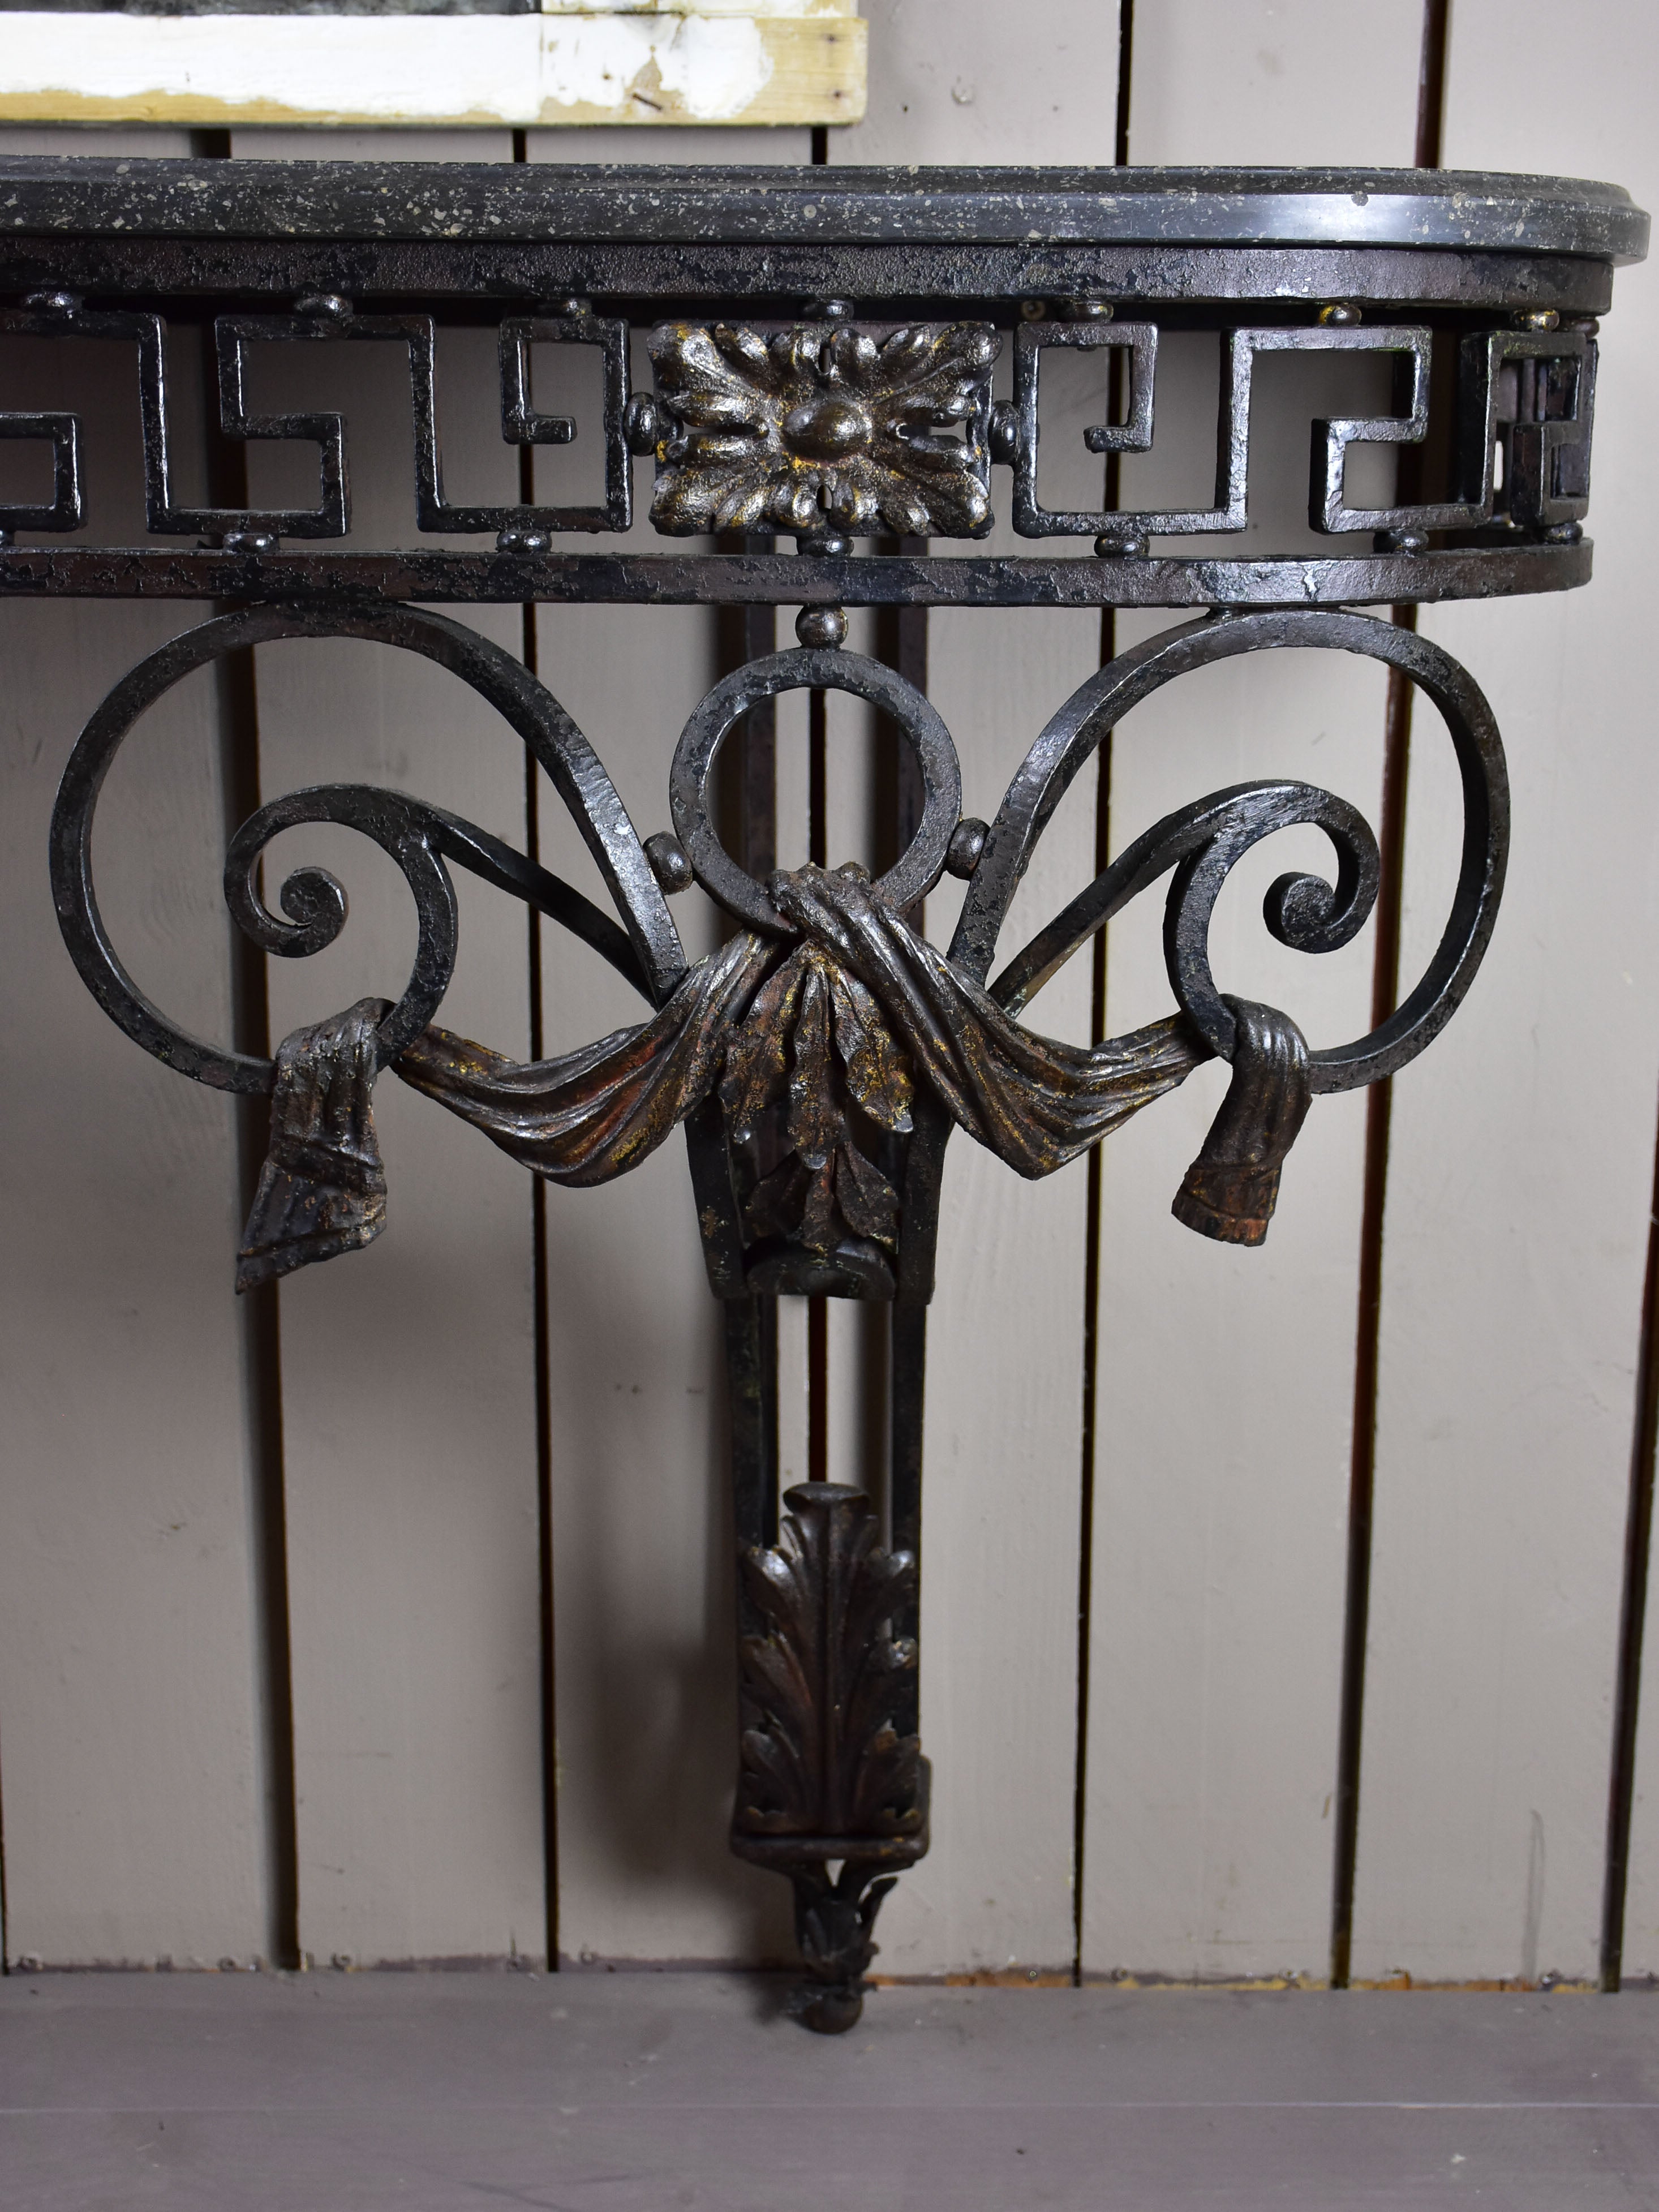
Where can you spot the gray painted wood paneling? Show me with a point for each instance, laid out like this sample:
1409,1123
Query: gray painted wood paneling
129,1674
408,1371
1003,1448
1520,1179
1225,1377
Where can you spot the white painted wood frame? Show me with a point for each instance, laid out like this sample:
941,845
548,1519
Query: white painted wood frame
669,63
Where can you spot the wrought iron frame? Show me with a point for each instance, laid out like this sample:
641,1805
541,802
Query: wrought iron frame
822,347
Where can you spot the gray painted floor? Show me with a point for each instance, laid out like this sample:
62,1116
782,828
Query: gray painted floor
674,2092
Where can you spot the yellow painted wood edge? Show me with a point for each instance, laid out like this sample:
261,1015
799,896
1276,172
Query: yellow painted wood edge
784,9
819,75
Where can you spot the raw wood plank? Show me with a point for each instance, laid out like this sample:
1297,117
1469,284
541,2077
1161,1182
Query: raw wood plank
1003,1434
723,148
344,145
408,1376
1225,1377
1519,1183
133,1791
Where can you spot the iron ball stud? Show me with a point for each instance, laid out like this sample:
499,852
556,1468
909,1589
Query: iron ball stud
821,626
670,863
967,844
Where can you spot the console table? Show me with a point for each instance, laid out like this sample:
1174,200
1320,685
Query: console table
823,351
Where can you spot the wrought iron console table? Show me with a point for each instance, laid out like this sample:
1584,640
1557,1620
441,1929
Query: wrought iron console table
823,347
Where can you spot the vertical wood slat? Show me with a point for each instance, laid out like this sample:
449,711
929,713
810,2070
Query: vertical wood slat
1379,1113
1224,1377
1003,1388
1522,1162
1254,81
408,1371
1001,1448
129,1673
1379,1110
644,1599
644,1603
1627,1935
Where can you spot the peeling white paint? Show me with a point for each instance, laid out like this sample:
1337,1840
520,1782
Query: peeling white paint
510,68
717,68
454,65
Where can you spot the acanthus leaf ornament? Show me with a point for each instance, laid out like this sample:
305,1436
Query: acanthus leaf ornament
813,1052
822,1756
819,426
831,1765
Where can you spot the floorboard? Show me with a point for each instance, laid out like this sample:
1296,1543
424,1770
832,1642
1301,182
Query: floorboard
635,2093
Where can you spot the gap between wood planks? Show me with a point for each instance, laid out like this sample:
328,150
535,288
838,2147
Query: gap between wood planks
1126,33
538,1286
260,1313
1639,1533
1379,1106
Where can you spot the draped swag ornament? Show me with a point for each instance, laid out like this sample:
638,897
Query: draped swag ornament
817,1036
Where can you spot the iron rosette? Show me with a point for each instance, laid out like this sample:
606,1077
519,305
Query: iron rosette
824,426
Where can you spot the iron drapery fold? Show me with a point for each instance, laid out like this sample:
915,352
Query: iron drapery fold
591,1114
